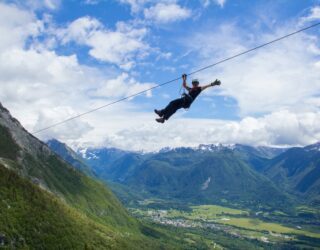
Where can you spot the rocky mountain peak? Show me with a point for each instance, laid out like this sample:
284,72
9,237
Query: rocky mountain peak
26,141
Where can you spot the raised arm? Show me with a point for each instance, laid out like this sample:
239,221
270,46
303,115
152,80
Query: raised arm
184,82
215,83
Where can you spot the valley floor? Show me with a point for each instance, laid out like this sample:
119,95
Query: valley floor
216,224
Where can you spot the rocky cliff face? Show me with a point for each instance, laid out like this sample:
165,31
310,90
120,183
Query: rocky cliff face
26,141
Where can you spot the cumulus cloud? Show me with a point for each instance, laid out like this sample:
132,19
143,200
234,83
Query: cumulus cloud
123,85
120,47
41,87
80,30
313,14
280,76
91,2
136,5
281,128
166,12
17,25
206,3
51,4
162,11
39,4
71,130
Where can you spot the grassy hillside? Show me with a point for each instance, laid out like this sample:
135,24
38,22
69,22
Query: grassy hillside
36,219
31,218
69,156
53,174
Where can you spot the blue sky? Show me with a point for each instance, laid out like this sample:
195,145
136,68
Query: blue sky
61,58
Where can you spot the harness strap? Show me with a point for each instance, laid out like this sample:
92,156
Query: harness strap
188,96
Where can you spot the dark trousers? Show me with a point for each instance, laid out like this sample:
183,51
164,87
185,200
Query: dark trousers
172,107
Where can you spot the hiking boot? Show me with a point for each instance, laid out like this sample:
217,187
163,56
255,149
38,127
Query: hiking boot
160,120
158,112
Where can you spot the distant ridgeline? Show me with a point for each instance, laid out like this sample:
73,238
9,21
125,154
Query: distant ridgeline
212,174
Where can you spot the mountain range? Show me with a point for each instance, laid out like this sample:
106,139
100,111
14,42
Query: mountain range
236,174
297,171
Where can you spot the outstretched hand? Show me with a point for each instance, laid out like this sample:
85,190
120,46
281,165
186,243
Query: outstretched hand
216,82
184,77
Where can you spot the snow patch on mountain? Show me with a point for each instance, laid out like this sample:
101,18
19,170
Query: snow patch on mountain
202,147
205,185
215,147
313,147
85,153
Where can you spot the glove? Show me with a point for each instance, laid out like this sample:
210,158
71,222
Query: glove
216,82
184,76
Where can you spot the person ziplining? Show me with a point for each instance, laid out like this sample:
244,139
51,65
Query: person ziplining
177,104
186,100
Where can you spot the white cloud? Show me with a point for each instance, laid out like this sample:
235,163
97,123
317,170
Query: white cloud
91,2
314,14
123,46
51,4
41,88
80,30
71,130
281,128
17,25
123,85
206,3
136,5
166,13
161,11
39,4
280,76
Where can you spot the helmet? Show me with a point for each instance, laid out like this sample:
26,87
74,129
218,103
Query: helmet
195,82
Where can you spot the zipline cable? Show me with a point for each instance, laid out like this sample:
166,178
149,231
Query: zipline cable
255,48
173,80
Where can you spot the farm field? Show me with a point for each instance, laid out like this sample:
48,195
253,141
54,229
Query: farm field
241,224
